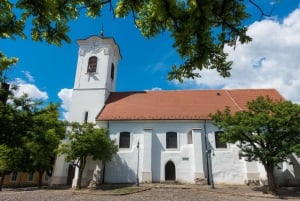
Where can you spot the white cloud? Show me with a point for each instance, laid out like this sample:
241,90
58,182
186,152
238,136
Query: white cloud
154,89
65,95
30,89
28,76
271,60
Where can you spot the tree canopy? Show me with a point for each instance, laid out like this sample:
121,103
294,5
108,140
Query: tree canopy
87,141
43,139
29,135
268,131
200,29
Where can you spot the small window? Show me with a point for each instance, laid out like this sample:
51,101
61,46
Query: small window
92,64
171,140
46,177
219,143
30,176
190,137
86,116
14,176
124,141
112,71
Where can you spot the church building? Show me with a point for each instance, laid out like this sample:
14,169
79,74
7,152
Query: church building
162,135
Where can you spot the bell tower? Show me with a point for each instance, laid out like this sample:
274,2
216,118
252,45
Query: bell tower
95,77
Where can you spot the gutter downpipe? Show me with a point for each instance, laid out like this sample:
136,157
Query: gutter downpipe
208,159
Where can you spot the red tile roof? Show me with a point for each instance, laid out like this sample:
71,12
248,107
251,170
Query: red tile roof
178,105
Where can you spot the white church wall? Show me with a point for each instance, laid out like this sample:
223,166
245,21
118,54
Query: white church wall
60,172
80,105
182,156
227,167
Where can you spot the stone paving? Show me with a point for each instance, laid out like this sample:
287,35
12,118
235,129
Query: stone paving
157,192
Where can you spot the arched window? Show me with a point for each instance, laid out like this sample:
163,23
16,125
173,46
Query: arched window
190,137
218,141
112,71
92,64
124,140
171,140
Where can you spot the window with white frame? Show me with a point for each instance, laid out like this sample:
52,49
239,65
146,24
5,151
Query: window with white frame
124,140
92,64
171,140
190,137
86,116
218,141
112,71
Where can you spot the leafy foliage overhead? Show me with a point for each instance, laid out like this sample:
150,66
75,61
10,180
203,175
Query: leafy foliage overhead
200,28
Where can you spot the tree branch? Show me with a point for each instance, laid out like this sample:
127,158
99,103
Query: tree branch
263,14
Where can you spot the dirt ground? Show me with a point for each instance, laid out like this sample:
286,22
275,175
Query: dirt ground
157,192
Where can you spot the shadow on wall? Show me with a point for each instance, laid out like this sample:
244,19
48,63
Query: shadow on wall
118,171
291,175
296,163
156,158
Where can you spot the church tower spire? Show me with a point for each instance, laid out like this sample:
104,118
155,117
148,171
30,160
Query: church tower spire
95,77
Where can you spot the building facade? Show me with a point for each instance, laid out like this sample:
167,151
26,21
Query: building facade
24,179
162,135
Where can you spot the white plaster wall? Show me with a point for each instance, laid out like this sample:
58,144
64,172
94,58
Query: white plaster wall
184,163
60,172
124,165
90,101
92,172
227,168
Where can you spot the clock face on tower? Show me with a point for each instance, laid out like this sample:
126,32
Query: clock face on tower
92,64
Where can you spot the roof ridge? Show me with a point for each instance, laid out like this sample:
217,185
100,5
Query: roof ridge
230,96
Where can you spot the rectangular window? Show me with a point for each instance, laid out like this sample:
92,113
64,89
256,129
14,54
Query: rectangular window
218,141
46,177
171,140
30,176
124,141
14,176
86,116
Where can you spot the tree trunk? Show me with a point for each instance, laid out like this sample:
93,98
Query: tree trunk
103,173
40,179
272,186
80,171
2,180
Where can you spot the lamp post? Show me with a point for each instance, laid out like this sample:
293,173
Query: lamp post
138,163
208,158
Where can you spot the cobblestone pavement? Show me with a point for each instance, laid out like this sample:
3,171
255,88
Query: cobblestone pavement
156,193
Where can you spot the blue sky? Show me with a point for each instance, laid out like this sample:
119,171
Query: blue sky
270,61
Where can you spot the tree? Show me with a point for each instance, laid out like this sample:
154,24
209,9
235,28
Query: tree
87,141
29,136
200,28
268,131
10,160
15,121
43,139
